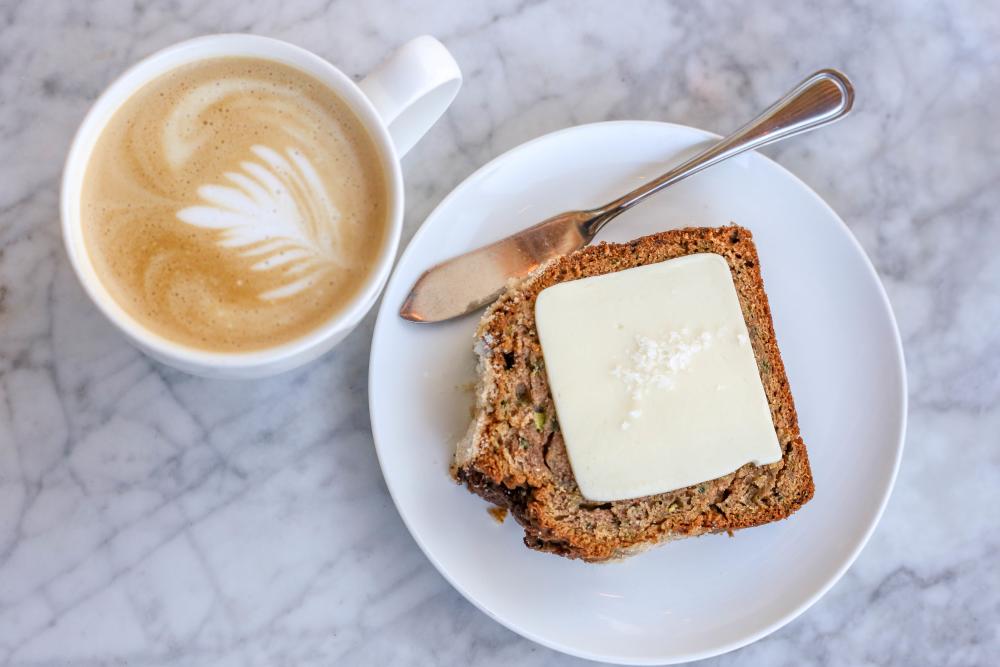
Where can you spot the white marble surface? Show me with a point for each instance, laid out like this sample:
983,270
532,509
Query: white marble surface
151,518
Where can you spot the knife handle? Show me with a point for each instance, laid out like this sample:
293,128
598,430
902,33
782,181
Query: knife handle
820,99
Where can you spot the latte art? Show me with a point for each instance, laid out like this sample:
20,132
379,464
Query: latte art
234,204
260,214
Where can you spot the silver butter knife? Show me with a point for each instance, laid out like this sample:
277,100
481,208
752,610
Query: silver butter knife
462,284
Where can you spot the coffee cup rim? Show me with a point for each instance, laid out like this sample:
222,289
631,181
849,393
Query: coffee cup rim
269,359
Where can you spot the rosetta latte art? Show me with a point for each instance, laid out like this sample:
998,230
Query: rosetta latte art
259,214
234,204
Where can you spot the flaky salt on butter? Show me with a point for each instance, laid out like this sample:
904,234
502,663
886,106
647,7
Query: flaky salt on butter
654,380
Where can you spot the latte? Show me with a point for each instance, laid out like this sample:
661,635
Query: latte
234,204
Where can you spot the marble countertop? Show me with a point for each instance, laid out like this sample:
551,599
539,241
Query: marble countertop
141,508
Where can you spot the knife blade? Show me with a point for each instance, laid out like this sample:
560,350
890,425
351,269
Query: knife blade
464,283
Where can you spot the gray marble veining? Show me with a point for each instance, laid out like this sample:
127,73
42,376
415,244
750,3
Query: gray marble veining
140,508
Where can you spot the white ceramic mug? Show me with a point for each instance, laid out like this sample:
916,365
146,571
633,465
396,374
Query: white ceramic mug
397,103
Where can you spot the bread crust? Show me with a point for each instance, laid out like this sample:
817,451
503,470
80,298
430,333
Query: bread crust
513,454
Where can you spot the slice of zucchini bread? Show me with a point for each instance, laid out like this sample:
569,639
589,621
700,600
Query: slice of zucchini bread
514,456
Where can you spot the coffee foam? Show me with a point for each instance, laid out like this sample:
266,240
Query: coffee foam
234,204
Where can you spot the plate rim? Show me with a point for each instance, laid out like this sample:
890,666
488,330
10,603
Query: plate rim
389,310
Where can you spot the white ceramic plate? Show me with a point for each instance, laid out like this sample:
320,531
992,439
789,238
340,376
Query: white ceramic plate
689,599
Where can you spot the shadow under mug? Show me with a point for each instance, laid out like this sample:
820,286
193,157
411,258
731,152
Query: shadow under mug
397,103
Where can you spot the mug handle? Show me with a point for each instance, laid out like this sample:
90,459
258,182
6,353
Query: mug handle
412,88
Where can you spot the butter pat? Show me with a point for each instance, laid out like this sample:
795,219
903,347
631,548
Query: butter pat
655,383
